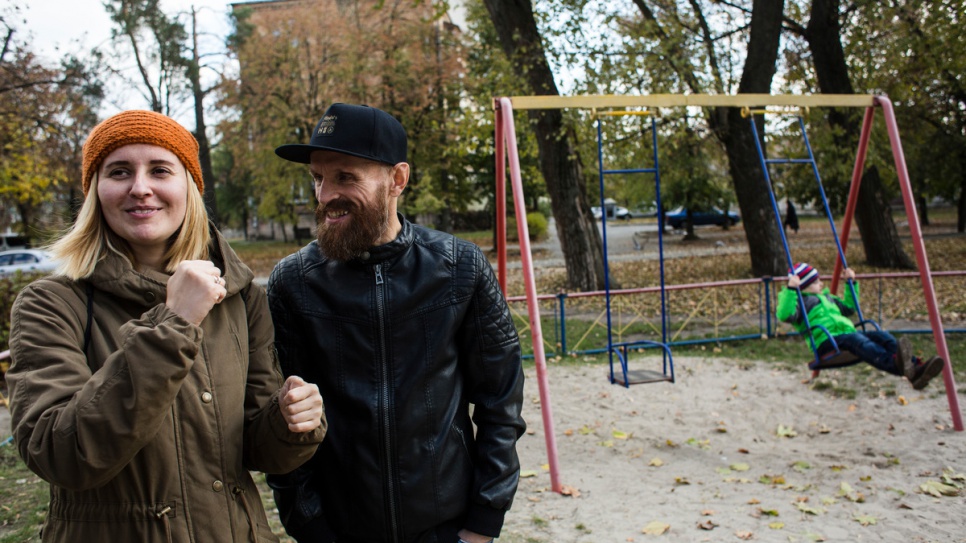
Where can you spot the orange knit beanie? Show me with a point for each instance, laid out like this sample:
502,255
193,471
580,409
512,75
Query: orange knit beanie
138,126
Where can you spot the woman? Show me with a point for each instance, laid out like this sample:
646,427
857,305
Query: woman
144,383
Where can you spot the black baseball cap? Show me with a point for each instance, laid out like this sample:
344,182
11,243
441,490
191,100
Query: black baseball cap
360,131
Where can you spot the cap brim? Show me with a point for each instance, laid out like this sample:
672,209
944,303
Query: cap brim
296,152
302,153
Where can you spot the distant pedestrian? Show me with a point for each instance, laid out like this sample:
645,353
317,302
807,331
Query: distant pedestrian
791,217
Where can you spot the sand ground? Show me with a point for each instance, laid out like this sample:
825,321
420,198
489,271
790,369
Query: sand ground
737,452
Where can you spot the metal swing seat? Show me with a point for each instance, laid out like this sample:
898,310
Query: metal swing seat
836,358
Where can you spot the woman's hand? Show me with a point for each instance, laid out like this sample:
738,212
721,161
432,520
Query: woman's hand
301,405
195,287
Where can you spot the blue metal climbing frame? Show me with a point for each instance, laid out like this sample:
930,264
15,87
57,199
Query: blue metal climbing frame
623,350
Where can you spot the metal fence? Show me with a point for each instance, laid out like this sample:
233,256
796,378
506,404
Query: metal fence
720,311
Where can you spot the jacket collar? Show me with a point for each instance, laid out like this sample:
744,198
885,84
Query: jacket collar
387,251
116,274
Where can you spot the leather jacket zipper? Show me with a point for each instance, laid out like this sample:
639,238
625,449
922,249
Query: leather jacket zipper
386,401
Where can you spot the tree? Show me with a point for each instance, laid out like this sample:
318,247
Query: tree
873,215
562,169
43,111
156,43
298,58
764,31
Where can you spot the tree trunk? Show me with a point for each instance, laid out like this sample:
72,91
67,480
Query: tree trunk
204,147
579,238
762,229
873,216
961,207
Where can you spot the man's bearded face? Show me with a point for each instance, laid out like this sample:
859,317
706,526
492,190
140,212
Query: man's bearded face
366,222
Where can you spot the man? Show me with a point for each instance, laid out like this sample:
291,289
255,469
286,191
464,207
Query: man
401,327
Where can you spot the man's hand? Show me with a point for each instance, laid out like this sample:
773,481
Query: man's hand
301,405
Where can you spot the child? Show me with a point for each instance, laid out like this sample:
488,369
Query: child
880,349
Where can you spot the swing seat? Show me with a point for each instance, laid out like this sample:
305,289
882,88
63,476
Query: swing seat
628,377
834,359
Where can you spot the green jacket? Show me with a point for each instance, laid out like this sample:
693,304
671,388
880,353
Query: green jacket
150,434
823,309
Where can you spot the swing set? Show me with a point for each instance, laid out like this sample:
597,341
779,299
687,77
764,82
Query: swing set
507,153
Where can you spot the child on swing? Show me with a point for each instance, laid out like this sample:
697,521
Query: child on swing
878,348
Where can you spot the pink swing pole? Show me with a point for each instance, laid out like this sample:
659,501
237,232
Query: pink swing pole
912,217
506,133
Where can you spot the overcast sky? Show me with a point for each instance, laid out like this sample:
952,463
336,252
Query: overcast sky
57,26
63,23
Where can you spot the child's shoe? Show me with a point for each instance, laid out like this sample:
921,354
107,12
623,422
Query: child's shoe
925,371
904,359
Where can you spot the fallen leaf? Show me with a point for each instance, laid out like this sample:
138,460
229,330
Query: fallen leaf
745,535
853,407
584,430
785,431
801,466
754,501
545,467
707,512
768,512
806,509
656,527
607,443
865,520
937,489
568,490
902,400
619,435
528,473
743,451
776,525
837,467
656,462
568,432
708,524
682,481
740,466
534,499
671,443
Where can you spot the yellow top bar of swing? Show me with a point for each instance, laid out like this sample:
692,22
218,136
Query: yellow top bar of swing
702,100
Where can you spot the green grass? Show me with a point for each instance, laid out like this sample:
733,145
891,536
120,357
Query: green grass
23,499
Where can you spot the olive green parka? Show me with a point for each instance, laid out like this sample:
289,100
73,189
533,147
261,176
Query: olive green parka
150,434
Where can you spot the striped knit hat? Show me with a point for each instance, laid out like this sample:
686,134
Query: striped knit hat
806,273
137,126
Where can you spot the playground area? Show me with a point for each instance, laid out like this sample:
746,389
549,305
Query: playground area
730,451
739,451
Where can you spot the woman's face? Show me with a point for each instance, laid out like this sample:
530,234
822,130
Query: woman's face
143,191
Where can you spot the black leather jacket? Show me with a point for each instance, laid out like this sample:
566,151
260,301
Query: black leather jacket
400,343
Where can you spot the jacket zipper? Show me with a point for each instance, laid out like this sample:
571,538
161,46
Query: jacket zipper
386,401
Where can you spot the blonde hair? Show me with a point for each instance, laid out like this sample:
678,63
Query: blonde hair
90,239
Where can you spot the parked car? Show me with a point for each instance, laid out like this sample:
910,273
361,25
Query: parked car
676,219
620,212
26,261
